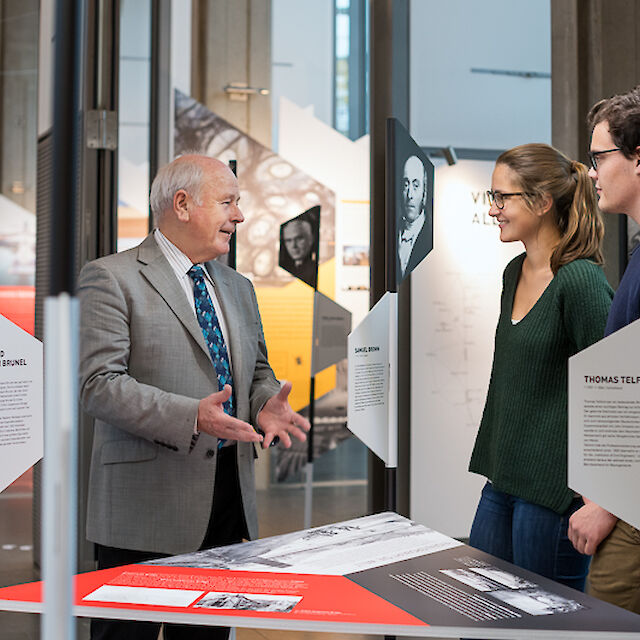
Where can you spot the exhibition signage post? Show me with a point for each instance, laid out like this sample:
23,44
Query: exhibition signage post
299,252
331,326
59,509
392,462
59,478
374,345
409,232
308,486
233,241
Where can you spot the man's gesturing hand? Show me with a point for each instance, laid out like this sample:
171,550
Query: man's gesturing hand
213,420
277,418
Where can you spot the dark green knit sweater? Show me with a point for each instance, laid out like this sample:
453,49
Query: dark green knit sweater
522,441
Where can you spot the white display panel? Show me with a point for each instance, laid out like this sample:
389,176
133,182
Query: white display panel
21,400
455,307
604,423
371,374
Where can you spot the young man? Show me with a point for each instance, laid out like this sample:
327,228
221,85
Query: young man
615,160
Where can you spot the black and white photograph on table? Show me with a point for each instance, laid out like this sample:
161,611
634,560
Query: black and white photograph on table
503,577
248,601
538,602
479,583
336,549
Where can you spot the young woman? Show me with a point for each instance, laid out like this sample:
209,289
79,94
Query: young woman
555,301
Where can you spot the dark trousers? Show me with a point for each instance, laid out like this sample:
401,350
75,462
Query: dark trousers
226,526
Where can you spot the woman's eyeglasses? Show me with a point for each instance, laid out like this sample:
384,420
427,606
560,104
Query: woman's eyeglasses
498,197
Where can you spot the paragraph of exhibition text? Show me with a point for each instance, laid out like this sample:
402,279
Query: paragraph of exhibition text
14,412
369,385
611,433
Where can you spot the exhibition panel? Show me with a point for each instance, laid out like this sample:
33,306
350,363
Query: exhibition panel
372,380
21,402
604,423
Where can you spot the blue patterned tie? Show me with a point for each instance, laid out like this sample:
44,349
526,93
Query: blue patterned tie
210,326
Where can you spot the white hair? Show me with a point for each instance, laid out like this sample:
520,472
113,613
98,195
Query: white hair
186,175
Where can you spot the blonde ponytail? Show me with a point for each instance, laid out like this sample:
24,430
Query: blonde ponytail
583,227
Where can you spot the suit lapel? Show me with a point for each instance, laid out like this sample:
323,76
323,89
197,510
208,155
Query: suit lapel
162,278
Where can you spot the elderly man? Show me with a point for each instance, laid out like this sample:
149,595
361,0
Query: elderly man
298,258
414,234
173,367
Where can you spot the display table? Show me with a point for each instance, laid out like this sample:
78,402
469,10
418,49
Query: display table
380,574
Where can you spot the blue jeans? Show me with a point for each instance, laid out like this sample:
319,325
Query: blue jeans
529,536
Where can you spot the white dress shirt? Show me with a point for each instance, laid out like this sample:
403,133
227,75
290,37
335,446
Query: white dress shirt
407,238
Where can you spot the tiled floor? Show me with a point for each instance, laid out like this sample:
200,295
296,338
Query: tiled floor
280,510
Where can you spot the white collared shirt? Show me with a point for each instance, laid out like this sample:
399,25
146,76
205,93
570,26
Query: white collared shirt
407,238
181,265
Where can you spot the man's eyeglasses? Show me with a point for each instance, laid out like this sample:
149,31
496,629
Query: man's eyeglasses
498,197
594,155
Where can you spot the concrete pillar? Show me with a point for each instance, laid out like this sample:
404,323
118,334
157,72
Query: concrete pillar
389,97
18,100
232,44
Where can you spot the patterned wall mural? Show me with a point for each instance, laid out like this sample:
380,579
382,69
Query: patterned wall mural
273,191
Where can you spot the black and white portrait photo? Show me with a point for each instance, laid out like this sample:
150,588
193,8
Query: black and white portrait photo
299,246
410,185
414,234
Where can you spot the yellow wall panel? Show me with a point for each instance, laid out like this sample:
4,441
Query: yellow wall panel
287,318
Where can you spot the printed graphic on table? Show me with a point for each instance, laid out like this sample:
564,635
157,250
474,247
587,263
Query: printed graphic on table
604,423
464,587
380,572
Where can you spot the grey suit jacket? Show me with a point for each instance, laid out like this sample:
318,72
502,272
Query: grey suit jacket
144,366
